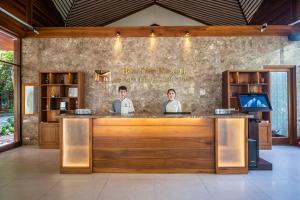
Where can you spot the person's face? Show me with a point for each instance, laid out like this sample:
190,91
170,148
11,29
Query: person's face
171,95
122,94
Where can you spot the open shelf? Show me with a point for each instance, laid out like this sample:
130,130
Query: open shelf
237,82
57,87
58,84
59,97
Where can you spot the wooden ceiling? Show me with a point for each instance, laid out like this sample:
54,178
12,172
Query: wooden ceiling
38,13
209,12
277,12
35,12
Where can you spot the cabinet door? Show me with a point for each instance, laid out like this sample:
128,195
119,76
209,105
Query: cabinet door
49,136
265,136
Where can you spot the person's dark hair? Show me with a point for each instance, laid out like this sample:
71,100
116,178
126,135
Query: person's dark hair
122,87
169,90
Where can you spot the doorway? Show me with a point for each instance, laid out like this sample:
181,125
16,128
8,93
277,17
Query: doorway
283,101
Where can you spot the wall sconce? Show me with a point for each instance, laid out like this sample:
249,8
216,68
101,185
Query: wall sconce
264,27
152,33
118,34
187,34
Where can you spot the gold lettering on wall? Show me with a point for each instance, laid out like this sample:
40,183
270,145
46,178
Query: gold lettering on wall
144,74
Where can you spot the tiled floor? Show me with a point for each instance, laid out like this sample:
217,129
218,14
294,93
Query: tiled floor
32,173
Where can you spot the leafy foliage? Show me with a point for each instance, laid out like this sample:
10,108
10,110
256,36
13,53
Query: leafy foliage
8,127
6,79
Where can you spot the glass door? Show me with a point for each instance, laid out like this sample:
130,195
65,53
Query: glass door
280,104
283,99
6,103
9,91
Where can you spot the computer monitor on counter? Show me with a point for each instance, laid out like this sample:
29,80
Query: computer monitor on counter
254,102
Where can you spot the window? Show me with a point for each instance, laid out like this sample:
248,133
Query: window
9,91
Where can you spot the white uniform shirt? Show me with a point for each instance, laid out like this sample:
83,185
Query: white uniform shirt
173,106
126,106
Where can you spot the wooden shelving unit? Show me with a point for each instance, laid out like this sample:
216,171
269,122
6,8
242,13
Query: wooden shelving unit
237,82
54,89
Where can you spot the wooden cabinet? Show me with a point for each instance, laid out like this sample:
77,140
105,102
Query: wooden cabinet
57,88
49,135
237,82
265,136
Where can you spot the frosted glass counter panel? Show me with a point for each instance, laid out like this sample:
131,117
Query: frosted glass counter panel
75,142
231,142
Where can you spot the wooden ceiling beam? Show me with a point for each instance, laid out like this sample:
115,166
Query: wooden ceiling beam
11,26
161,31
29,11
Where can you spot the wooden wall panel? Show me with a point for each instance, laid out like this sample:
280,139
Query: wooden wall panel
153,142
153,131
147,145
153,122
6,42
154,165
151,153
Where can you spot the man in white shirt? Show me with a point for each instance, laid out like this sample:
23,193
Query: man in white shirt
122,105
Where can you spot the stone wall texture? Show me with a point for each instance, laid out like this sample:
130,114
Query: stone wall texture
149,66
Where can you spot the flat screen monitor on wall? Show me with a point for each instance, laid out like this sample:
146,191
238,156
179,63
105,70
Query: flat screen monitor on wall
254,102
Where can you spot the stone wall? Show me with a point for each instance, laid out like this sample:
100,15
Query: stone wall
150,66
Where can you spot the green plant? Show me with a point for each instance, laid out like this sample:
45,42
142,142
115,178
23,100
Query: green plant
3,130
11,105
11,129
6,80
6,125
11,121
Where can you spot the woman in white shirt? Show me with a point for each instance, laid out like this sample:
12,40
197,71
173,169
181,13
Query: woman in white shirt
171,105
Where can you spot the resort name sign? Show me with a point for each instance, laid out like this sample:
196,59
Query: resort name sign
153,74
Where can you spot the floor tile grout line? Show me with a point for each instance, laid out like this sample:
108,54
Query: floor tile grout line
259,189
205,186
51,188
103,187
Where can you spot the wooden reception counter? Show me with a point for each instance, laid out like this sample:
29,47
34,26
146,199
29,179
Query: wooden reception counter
154,143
